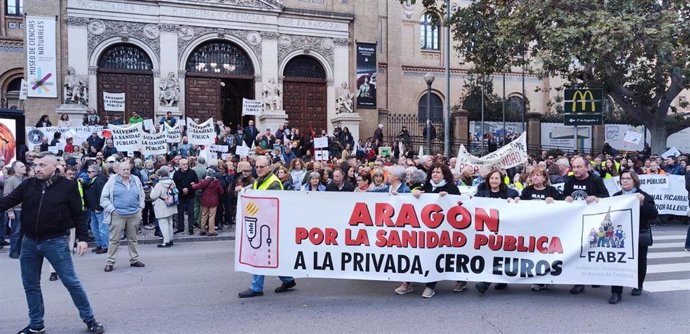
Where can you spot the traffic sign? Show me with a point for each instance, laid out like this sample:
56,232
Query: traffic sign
582,119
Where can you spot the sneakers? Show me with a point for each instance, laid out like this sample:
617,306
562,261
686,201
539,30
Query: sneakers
460,286
94,327
102,251
249,293
540,287
482,287
577,289
28,330
403,289
636,291
285,287
428,293
164,245
149,227
137,264
615,298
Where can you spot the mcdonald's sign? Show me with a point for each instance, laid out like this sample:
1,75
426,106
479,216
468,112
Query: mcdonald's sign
579,101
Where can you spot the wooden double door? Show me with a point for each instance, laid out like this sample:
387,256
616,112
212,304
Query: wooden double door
138,89
305,102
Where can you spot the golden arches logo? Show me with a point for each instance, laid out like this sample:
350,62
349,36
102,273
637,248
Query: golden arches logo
583,100
251,209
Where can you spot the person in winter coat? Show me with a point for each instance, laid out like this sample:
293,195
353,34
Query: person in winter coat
211,190
94,188
164,212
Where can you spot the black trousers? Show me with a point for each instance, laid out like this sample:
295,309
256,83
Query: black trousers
641,268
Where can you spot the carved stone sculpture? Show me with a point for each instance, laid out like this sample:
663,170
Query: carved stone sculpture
169,91
271,94
344,100
76,88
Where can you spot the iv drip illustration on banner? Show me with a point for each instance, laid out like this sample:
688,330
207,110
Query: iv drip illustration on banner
259,223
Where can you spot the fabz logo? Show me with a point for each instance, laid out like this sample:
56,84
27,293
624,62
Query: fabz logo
607,236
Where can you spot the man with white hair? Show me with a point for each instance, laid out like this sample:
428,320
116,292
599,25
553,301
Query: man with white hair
378,137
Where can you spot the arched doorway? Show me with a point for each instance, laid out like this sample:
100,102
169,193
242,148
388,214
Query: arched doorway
219,75
126,68
304,94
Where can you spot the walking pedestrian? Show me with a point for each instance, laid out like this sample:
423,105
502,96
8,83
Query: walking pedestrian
52,204
164,206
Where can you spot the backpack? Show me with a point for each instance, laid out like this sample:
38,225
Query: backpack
172,197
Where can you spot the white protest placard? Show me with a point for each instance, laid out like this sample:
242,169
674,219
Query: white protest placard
242,151
113,101
225,156
511,155
218,148
200,134
321,155
321,142
148,124
154,143
252,107
126,137
671,152
632,137
173,134
23,91
53,149
374,236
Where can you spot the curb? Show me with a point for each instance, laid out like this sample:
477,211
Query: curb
178,240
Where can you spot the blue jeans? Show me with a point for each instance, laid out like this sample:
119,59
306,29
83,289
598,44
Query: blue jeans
3,226
186,204
58,254
258,281
100,231
15,235
687,239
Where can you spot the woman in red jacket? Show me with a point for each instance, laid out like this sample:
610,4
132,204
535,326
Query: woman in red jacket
211,190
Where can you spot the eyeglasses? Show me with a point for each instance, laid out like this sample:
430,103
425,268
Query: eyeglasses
626,178
259,167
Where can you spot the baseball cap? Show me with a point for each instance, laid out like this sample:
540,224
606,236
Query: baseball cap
111,159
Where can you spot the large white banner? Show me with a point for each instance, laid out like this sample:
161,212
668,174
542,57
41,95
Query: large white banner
154,143
557,135
511,155
113,101
670,195
615,135
79,134
126,138
201,134
172,133
40,57
399,238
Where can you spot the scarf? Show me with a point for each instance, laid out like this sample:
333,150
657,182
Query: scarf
437,185
632,191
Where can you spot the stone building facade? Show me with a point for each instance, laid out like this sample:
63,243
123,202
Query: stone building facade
201,58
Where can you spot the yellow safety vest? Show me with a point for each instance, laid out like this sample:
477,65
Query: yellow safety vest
81,194
264,185
519,185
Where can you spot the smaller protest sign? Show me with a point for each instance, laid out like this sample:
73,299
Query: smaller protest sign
321,142
113,101
252,107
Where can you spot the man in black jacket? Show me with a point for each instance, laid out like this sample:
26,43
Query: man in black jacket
51,205
183,178
339,183
583,185
94,188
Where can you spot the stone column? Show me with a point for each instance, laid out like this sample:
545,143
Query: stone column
168,64
349,120
534,133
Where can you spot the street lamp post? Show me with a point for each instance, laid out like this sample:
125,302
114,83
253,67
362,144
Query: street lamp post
429,78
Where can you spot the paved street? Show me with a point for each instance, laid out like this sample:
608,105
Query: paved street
192,288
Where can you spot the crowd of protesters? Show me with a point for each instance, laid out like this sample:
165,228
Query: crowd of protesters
185,192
